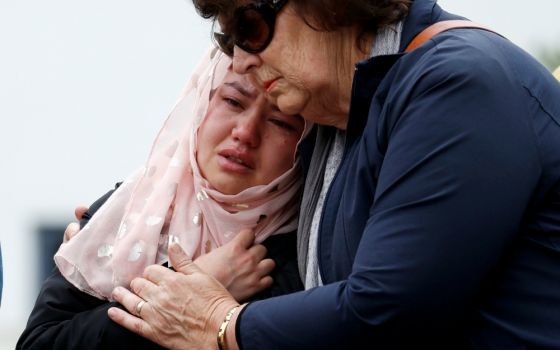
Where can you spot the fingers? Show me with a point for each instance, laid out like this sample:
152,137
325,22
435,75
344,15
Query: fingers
265,267
243,292
181,261
128,321
260,278
265,282
79,211
258,251
156,274
128,299
74,227
143,288
245,238
71,231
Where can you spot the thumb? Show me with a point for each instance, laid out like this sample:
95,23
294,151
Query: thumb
245,238
180,260
71,231
80,211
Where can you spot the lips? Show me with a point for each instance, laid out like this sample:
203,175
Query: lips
236,159
269,84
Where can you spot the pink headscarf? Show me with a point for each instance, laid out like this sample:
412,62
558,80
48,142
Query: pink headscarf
168,200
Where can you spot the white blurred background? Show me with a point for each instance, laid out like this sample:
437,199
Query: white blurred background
85,86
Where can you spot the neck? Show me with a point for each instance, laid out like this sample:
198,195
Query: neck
350,52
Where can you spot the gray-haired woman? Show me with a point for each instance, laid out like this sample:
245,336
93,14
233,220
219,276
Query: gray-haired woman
431,214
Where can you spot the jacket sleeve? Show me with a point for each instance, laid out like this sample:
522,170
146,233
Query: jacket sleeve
459,168
66,318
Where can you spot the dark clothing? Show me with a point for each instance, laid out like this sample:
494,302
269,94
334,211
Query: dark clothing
441,229
67,318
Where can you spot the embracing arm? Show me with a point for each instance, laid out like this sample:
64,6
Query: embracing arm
64,317
457,174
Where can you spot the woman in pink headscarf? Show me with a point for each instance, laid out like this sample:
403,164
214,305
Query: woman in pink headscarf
224,162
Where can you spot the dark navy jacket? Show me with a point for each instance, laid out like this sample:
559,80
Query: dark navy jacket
441,229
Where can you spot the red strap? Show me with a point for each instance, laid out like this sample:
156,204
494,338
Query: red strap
439,27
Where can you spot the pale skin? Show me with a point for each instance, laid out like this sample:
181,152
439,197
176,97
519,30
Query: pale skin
298,73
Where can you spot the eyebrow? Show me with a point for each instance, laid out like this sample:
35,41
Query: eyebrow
247,93
240,88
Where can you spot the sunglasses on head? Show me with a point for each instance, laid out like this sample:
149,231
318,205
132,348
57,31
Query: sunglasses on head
252,27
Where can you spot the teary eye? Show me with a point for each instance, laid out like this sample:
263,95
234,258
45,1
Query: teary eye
282,124
233,102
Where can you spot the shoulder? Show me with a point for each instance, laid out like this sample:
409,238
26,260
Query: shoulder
469,57
476,56
467,66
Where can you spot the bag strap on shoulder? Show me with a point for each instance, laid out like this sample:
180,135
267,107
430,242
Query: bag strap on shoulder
439,27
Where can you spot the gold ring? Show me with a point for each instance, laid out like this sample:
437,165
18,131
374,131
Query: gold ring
139,307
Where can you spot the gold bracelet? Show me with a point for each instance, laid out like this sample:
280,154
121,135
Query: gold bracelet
222,330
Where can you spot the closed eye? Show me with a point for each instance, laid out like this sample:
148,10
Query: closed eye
232,102
283,124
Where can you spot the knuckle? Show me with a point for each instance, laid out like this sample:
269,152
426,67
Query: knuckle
251,283
237,249
245,259
256,259
183,264
138,327
150,270
174,281
136,286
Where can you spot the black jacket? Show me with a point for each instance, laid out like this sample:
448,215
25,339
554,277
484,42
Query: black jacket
66,318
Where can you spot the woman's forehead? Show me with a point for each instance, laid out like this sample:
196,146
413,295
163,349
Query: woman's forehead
240,80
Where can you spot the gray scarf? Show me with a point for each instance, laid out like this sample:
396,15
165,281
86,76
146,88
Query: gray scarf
312,191
386,42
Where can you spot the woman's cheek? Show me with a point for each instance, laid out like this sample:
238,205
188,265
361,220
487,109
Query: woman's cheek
293,101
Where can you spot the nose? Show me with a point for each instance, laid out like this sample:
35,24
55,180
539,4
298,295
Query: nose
244,61
246,131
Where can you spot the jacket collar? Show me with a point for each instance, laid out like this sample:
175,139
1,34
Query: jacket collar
369,73
367,77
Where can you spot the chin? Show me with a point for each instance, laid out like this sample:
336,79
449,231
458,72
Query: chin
225,186
287,104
